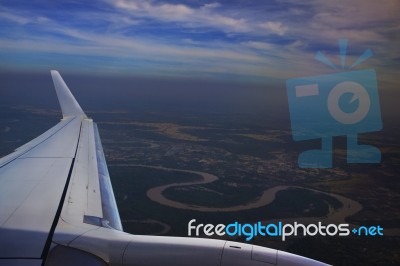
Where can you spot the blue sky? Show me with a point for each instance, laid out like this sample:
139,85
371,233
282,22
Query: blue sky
246,39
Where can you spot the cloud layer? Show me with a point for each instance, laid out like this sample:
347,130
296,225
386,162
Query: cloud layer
253,40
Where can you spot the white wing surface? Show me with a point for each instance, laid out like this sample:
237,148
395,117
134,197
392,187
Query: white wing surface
65,164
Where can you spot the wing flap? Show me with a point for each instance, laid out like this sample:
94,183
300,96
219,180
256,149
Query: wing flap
109,205
83,195
90,195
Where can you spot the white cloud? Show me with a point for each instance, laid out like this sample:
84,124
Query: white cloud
131,5
169,11
354,13
120,47
14,18
260,45
163,11
22,18
274,27
205,16
42,19
212,5
357,20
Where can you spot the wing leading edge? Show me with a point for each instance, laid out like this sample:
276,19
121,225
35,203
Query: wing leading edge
57,207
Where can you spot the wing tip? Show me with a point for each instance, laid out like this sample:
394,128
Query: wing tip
68,103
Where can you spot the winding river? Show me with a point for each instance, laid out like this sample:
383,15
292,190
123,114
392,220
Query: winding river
155,194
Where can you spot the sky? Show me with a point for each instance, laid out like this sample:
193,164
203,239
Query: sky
249,40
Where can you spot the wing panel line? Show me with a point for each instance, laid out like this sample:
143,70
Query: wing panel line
47,246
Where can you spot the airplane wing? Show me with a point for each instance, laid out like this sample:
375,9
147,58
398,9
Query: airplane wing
57,207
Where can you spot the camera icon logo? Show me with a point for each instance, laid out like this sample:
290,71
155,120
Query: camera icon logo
325,106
